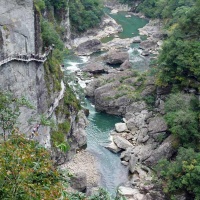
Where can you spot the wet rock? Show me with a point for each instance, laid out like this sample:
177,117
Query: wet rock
156,125
116,57
121,142
79,181
88,47
120,127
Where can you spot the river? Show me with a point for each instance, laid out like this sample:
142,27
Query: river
101,124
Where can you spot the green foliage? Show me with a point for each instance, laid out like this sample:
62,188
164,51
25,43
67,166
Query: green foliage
27,171
70,99
50,36
181,117
10,111
85,14
39,5
150,100
181,174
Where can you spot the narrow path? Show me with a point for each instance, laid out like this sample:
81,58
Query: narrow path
25,57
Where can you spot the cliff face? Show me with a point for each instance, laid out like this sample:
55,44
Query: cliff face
17,29
20,34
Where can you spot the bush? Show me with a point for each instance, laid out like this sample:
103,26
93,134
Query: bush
27,171
182,117
181,174
50,36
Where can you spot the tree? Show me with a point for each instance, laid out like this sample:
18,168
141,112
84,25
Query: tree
27,172
182,118
181,174
10,111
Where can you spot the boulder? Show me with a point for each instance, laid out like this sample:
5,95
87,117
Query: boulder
121,127
113,147
79,181
132,163
116,57
90,88
121,142
148,44
125,65
136,107
124,163
145,53
156,125
126,155
136,39
143,135
127,191
95,68
165,150
88,47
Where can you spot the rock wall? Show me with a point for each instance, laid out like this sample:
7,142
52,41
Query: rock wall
17,30
20,33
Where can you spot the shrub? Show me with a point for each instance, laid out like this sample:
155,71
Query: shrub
27,171
181,174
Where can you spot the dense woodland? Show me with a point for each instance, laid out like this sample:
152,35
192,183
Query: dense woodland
178,65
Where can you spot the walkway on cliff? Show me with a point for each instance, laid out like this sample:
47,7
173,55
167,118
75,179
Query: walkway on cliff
26,57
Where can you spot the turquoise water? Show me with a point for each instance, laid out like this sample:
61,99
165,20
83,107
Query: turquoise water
113,173
130,25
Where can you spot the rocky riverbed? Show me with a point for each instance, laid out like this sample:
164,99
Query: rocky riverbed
84,172
142,139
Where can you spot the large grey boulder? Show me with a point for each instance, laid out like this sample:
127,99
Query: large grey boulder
89,47
116,57
113,147
148,44
121,142
121,127
125,65
90,88
157,124
132,163
79,181
165,150
136,107
95,68
143,135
